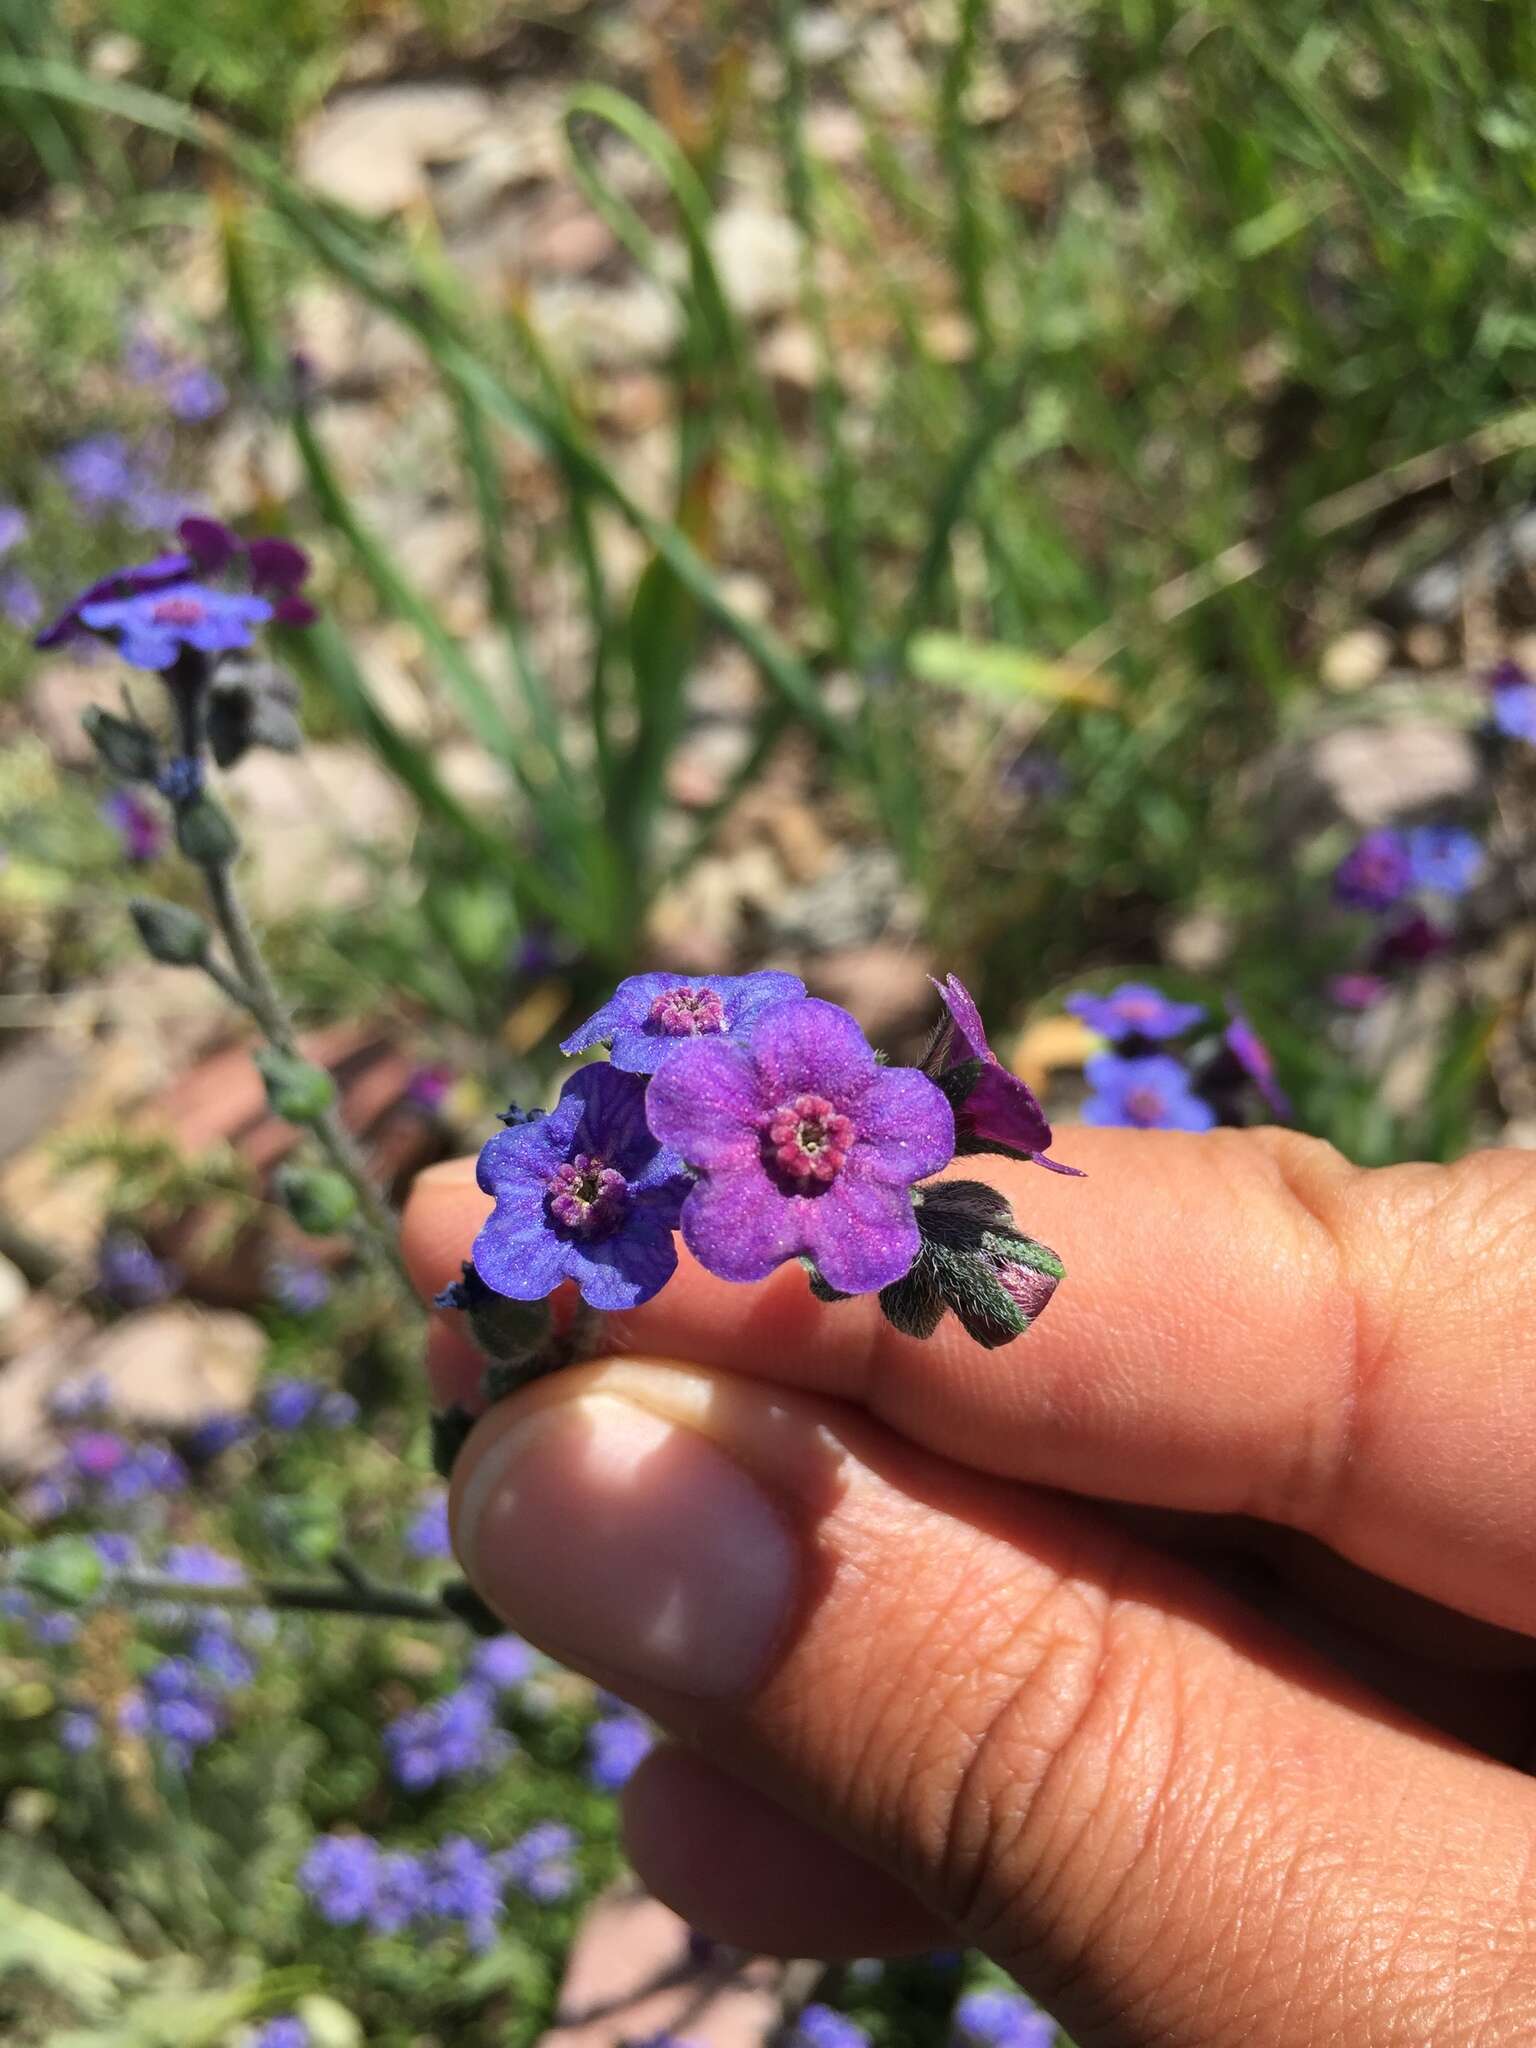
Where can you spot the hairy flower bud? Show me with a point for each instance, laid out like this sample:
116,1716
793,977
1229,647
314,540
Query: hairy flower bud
129,749
507,1331
171,935
296,1089
205,834
974,1262
319,1199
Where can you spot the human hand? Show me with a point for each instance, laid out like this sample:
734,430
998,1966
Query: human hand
918,1697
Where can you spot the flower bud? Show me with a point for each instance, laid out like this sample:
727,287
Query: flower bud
129,749
973,1261
172,935
319,1199
204,833
296,1089
450,1429
508,1332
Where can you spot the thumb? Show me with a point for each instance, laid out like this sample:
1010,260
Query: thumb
1164,1820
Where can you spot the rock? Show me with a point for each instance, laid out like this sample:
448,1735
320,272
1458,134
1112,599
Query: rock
605,326
632,1976
60,692
37,1079
757,253
372,150
860,900
312,816
1373,773
1356,659
1427,646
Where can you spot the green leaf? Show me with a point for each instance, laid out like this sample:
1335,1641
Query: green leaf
75,1962
67,1569
983,668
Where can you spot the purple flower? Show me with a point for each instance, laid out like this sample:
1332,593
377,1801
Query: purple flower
337,1410
501,1662
20,600
289,1403
79,1730
13,528
1000,1109
181,780
201,1566
298,1285
452,1738
1356,991
1410,941
339,1876
1375,872
80,1398
55,1629
98,472
195,394
118,1551
1514,709
617,1745
1256,1061
153,627
819,2026
651,1015
1149,1094
428,1087
98,1455
1001,2019
221,1658
183,1712
218,1434
141,832
286,2031
539,1863
399,1892
1445,859
1135,1010
158,574
128,1272
585,1194
463,1882
805,1145
426,1533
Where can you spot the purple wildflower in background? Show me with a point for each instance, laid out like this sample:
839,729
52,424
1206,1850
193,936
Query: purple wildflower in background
821,2026
128,1272
617,1745
221,1658
1134,1010
1152,1093
1375,873
194,394
140,832
287,2030
1445,859
1000,1109
20,599
451,1738
1514,710
426,1533
98,472
1256,1061
118,1551
338,1877
1000,2019
80,1398
337,1410
298,1285
78,1731
463,1882
428,1088
200,1565
98,1455
1410,941
14,528
153,628
805,1144
502,1663
1356,991
399,1892
55,1629
288,1403
586,1194
183,1712
218,1434
539,1863
650,1015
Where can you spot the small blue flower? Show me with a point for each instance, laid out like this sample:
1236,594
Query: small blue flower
616,1747
286,2031
183,1712
128,1272
1445,858
820,2026
540,1865
13,528
120,1552
289,1403
399,1892
194,394
20,599
464,1882
78,1731
339,1877
298,1285
83,1397
456,1736
1514,711
501,1662
1152,1093
649,1014
1135,1010
55,1629
585,1194
219,1433
98,472
1001,2019
337,1410
221,1658
426,1533
181,780
153,628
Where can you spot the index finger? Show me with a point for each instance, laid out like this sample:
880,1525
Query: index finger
1248,1325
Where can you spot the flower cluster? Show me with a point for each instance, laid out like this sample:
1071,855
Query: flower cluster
1406,879
351,1881
456,1736
759,1123
617,1744
1140,1083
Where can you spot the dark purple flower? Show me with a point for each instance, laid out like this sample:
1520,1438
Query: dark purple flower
1514,712
501,1662
805,1145
1135,1010
1152,1093
427,1089
20,599
1001,2019
426,1533
1507,674
1445,859
98,1454
1356,991
1375,873
650,1015
617,1745
181,780
539,1863
1256,1061
141,832
586,1193
338,1877
1411,940
13,528
218,1434
152,629
1000,1109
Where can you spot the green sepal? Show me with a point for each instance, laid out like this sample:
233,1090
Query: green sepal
914,1304
296,1089
319,1199
450,1429
821,1288
205,833
170,934
129,749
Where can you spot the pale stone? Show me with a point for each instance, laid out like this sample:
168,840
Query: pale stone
371,150
1356,659
757,253
1373,773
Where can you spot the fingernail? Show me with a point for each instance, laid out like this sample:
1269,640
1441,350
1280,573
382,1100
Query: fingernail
631,1543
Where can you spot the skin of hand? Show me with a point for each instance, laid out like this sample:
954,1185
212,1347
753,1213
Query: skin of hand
1180,1656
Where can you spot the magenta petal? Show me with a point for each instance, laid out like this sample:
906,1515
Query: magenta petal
277,564
810,1048
905,1127
294,611
704,1103
1003,1108
209,542
863,1234
970,1032
1055,1166
739,1226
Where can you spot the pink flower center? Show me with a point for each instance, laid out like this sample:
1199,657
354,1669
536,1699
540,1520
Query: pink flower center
688,1012
1144,1105
807,1141
1024,1286
586,1196
179,611
1139,1009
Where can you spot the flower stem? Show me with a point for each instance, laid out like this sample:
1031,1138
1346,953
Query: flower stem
257,993
293,1596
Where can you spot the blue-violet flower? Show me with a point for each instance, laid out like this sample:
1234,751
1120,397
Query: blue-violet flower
1152,1093
650,1015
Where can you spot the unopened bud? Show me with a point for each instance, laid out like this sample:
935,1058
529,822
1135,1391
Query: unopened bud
508,1332
319,1199
296,1089
205,834
172,935
129,749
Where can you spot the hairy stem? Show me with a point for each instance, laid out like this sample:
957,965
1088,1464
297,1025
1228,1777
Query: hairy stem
293,1596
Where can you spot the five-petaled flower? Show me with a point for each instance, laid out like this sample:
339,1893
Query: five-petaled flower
1445,858
586,1193
152,627
805,1144
650,1015
999,1110
1152,1093
1134,1010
